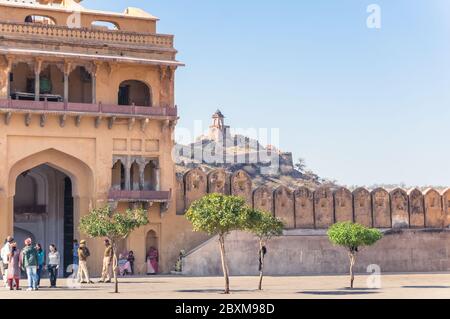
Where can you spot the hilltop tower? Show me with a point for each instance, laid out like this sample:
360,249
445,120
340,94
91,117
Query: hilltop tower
218,131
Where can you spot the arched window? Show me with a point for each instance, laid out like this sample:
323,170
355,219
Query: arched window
152,252
51,83
104,25
134,177
150,179
118,176
40,20
22,81
134,92
80,86
151,240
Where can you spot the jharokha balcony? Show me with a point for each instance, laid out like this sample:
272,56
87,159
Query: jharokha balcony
139,196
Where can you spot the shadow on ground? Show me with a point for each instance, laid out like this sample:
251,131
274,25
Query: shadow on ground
208,291
427,287
342,292
140,282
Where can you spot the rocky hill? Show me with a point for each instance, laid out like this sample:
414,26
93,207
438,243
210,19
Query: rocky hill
264,163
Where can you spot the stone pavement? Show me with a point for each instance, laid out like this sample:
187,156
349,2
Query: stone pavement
403,286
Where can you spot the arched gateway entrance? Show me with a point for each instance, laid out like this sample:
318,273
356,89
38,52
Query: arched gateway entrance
50,190
43,209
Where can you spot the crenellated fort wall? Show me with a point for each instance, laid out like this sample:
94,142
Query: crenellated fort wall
305,208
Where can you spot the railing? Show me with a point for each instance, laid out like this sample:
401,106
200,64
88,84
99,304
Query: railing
86,35
36,209
99,108
122,195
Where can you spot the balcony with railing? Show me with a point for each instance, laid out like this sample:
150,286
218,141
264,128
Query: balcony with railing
139,196
85,35
98,109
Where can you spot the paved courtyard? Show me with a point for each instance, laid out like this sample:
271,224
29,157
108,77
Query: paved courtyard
174,287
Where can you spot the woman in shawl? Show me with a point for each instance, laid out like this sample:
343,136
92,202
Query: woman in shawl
14,266
124,266
152,261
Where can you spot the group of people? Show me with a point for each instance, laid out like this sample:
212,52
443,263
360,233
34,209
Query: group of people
81,255
31,259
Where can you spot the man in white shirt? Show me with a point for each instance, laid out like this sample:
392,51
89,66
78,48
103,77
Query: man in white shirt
6,250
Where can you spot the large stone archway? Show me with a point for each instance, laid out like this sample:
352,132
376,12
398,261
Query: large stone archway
80,174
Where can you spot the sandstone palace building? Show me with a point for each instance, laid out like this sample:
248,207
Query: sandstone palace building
87,117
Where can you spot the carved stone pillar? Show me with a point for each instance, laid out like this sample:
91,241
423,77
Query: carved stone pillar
66,87
67,71
165,92
93,70
128,175
157,177
8,75
142,176
94,88
172,86
37,78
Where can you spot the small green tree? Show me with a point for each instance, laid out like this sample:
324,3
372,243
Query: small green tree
218,214
103,222
264,226
353,236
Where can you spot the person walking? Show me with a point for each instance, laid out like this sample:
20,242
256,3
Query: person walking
5,251
83,255
107,262
131,259
30,264
53,264
75,247
14,267
41,263
2,267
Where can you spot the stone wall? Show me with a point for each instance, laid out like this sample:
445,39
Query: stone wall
310,252
305,208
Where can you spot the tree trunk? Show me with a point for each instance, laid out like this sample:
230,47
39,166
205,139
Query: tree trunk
352,257
224,264
116,280
261,271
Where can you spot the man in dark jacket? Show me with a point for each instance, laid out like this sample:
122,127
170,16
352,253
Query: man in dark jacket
30,264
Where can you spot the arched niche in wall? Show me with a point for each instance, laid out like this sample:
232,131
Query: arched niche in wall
40,19
135,92
135,177
118,176
80,85
103,25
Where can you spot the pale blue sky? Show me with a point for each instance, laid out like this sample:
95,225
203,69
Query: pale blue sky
362,106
